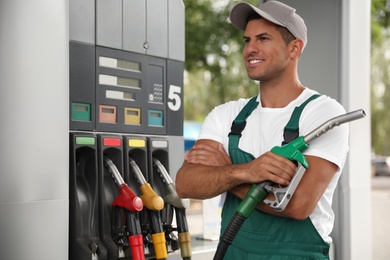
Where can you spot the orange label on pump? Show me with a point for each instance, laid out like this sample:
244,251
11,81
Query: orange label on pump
110,141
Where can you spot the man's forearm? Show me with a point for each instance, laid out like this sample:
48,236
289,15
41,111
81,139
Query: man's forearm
202,182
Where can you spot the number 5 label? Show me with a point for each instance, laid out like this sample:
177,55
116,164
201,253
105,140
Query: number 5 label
174,102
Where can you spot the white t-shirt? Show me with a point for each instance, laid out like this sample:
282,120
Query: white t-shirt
264,130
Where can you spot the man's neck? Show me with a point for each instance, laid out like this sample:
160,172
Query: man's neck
279,94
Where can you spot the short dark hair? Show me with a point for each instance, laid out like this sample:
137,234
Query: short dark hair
284,32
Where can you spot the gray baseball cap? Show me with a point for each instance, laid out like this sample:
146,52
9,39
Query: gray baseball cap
273,11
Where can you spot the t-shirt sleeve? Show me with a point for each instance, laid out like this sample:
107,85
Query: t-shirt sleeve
218,122
212,127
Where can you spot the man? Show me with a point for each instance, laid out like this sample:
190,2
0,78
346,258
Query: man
274,37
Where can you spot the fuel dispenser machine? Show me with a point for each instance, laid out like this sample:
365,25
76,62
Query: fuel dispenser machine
126,130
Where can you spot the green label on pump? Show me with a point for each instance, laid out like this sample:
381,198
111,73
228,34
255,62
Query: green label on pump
81,112
82,140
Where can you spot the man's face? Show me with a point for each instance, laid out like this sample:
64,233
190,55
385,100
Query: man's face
265,53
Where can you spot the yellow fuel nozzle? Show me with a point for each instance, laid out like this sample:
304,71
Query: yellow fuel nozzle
149,197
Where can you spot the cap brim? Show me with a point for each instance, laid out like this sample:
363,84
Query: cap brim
240,13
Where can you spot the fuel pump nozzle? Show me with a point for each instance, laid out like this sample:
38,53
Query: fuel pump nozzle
149,197
154,203
127,200
180,206
258,192
293,152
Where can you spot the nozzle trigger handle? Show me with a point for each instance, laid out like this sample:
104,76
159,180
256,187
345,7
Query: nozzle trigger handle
283,195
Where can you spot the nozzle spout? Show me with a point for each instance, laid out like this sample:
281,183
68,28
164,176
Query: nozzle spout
336,121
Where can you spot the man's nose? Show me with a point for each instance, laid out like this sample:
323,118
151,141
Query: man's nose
250,47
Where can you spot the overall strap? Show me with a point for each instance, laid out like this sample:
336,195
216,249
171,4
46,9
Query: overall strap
291,130
239,123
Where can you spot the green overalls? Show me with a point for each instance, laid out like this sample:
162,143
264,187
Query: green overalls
263,236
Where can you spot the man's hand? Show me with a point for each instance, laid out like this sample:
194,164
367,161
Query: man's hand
272,167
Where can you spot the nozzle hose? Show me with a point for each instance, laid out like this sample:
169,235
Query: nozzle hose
184,234
157,226
256,194
133,224
181,220
158,235
118,224
228,235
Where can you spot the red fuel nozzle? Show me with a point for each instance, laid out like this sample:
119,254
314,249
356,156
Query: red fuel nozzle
127,199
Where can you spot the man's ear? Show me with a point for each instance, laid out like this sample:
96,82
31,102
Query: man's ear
296,48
